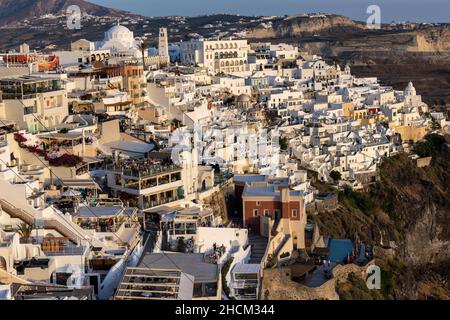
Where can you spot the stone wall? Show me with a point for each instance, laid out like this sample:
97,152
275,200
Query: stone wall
277,284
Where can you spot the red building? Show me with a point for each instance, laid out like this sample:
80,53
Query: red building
274,201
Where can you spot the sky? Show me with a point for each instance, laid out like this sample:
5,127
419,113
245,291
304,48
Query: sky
391,10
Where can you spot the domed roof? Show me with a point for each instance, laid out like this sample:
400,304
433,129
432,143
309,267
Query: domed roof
410,90
244,98
118,32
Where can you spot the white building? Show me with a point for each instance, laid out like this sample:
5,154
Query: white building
216,55
121,42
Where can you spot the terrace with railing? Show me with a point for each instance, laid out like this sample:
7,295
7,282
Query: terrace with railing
60,246
143,168
28,87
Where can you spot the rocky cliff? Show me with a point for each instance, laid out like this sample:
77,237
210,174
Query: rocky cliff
431,40
406,215
296,26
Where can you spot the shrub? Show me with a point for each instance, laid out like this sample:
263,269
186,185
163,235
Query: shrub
431,144
283,143
355,288
66,160
271,261
20,138
181,246
335,175
423,149
357,200
224,272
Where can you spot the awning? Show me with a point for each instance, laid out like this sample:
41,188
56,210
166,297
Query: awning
80,184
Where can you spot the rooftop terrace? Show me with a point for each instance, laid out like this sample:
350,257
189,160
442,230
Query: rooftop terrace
143,168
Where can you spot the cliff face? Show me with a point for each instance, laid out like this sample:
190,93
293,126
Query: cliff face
294,27
417,202
219,202
406,215
432,40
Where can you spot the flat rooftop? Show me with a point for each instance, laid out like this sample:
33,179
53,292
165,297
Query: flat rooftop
249,178
100,212
246,268
266,191
189,263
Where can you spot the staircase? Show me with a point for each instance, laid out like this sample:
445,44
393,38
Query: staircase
275,227
47,224
281,245
258,248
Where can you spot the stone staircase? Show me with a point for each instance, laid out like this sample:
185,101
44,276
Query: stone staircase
258,248
280,246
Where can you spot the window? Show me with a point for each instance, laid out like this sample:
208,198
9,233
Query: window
294,213
276,213
266,213
258,203
255,212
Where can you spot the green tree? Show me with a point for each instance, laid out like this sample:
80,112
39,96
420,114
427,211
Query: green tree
423,148
284,143
435,125
181,246
335,175
143,47
25,231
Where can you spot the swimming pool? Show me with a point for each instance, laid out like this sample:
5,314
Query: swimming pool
339,249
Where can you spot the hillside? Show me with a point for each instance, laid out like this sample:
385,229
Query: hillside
17,10
294,27
406,215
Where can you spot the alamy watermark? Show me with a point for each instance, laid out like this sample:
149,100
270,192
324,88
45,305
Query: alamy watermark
374,20
204,144
73,17
373,280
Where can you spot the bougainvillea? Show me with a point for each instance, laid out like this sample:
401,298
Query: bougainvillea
66,160
20,138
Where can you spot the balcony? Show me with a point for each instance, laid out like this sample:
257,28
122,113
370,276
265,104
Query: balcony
102,264
143,172
155,203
